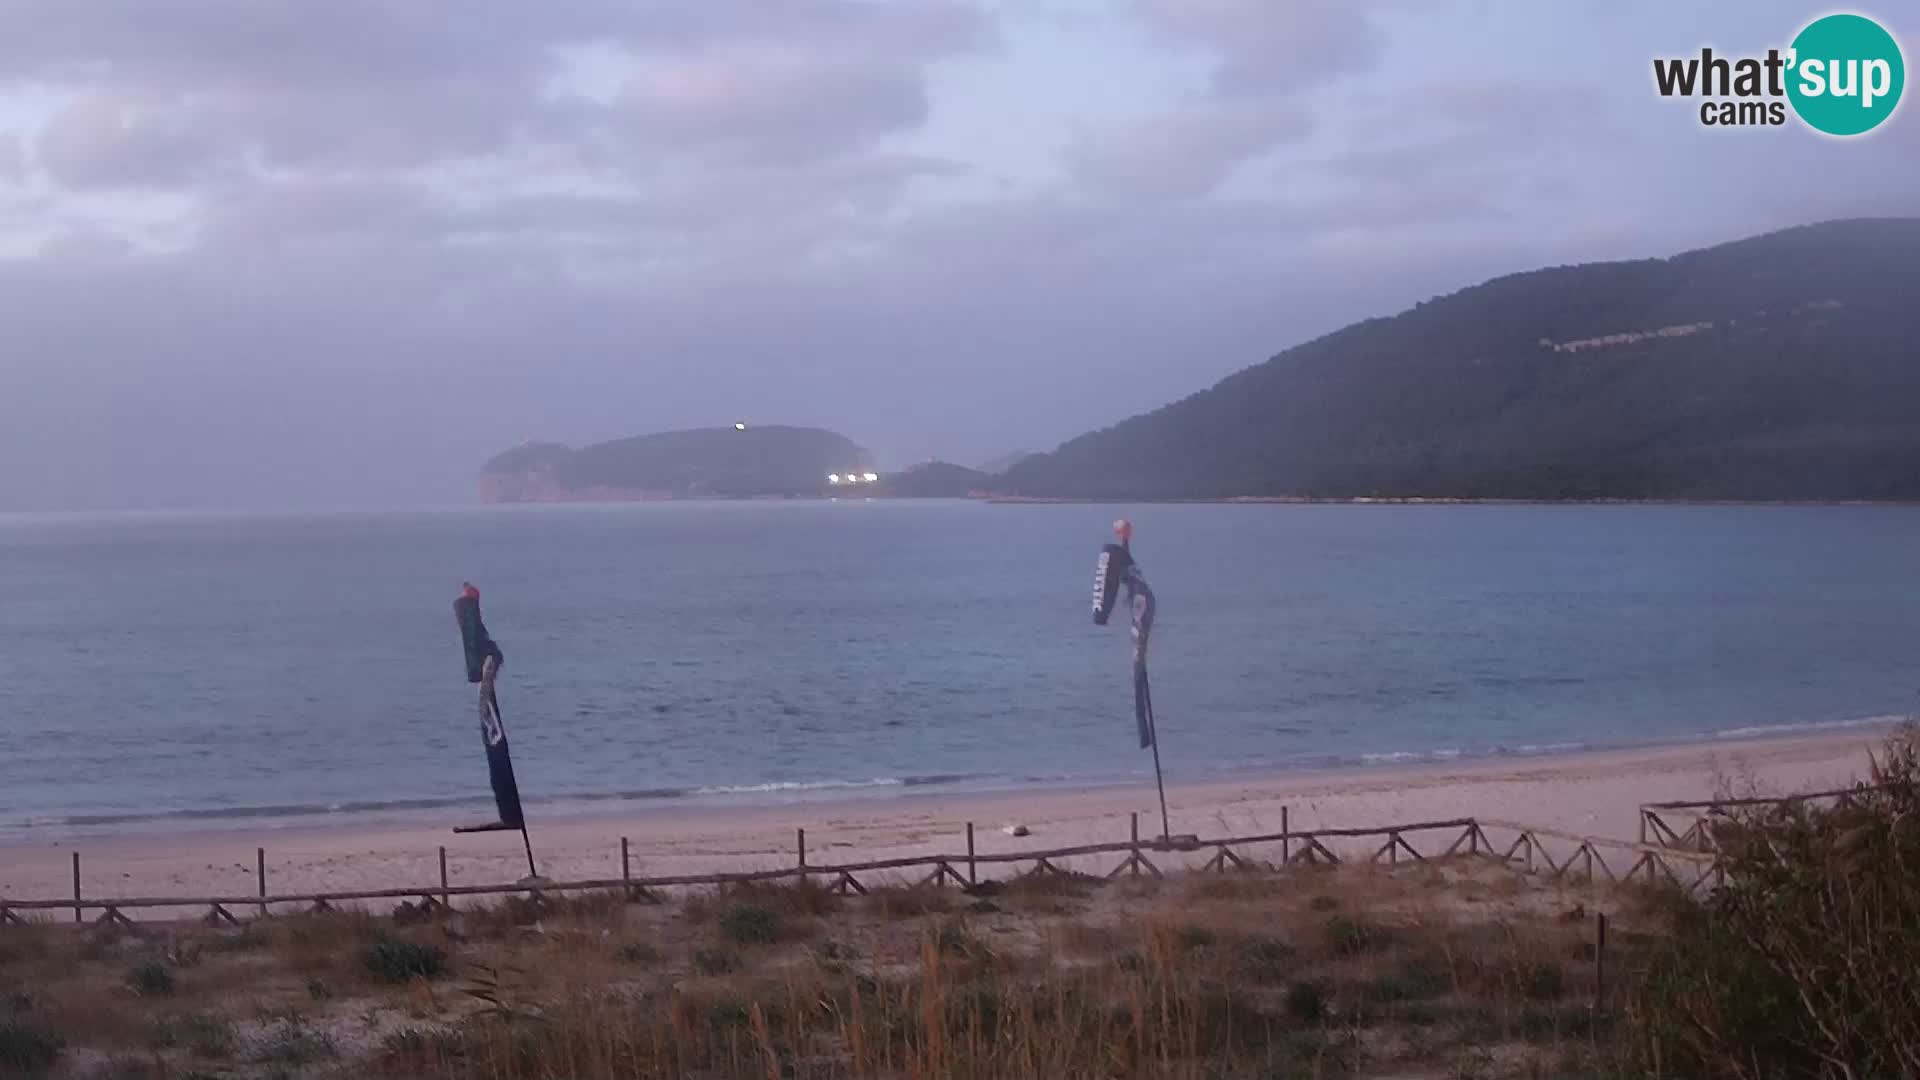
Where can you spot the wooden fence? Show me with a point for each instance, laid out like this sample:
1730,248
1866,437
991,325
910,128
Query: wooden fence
1661,823
1531,849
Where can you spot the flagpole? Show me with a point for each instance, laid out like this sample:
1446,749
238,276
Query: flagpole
493,702
1159,778
528,841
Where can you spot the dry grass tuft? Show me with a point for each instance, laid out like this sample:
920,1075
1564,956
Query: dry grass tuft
1331,972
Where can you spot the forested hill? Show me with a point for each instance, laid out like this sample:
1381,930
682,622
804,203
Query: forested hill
1786,366
728,462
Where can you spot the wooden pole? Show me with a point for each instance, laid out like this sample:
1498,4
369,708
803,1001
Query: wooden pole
1599,962
973,878
1286,838
1159,778
445,897
800,842
260,874
1133,837
76,887
532,872
626,869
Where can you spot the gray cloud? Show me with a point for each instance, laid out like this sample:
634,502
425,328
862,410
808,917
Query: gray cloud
382,85
1264,46
774,100
1189,152
1264,57
104,140
257,255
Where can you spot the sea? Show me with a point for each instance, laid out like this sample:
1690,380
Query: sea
195,671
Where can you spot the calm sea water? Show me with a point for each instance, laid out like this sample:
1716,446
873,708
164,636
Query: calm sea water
182,671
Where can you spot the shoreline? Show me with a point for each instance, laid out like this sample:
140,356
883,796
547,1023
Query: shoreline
798,795
1414,500
1593,792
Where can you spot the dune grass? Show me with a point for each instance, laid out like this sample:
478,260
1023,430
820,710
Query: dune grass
1804,966
1312,973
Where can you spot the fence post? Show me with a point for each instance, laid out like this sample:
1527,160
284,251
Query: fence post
446,898
1599,962
260,872
626,870
1286,838
800,841
1133,833
76,887
972,879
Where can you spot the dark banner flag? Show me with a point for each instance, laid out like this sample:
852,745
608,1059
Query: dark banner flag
1114,570
483,665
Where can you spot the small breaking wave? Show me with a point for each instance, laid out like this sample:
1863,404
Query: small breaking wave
291,813
1810,727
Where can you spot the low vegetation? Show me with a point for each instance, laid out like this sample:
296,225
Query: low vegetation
1807,964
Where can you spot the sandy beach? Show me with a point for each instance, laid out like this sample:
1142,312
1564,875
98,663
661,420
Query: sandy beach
1589,793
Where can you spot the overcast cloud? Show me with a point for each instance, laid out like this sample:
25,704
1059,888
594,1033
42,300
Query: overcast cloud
278,254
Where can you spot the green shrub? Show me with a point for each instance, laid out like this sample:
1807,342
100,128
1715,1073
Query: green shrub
292,1042
1265,960
202,1034
639,952
1807,962
954,939
27,1047
1307,1001
715,961
1196,937
397,960
1347,936
151,979
1414,980
411,1049
749,924
1543,981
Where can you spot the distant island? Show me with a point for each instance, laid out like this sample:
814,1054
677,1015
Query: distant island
746,461
1781,368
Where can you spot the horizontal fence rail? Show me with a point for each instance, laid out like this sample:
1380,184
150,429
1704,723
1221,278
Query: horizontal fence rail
1641,860
1688,825
1529,850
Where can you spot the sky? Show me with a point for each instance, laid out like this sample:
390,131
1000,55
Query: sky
313,255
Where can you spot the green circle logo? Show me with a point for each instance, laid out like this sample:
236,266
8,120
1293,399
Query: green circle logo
1846,74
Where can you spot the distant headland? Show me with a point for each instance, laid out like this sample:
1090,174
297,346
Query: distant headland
1780,368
